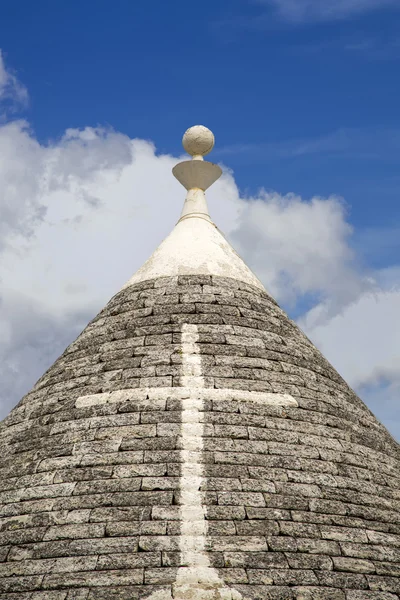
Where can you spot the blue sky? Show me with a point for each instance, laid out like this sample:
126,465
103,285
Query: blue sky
302,96
325,90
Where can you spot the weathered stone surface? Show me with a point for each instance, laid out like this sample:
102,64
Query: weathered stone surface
301,502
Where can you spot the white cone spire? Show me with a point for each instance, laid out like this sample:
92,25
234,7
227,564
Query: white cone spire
195,246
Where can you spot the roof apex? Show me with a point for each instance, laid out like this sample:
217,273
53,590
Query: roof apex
196,246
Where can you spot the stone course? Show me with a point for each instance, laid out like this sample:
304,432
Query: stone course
302,502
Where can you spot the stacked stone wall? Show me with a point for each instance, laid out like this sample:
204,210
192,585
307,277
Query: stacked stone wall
302,501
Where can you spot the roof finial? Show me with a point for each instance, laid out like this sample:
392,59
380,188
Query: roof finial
197,175
198,141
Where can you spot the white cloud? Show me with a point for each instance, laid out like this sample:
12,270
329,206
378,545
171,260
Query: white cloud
299,248
362,341
371,330
21,162
11,90
325,10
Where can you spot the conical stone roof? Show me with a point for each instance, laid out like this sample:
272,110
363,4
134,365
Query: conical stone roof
193,444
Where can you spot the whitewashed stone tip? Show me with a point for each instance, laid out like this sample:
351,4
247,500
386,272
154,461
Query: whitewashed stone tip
198,141
195,246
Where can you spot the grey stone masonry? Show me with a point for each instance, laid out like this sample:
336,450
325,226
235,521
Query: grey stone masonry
301,502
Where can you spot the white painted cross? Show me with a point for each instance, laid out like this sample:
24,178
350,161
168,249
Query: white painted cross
197,579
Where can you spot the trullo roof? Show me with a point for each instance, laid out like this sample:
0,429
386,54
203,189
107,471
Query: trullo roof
193,444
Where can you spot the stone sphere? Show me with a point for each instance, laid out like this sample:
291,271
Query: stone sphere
198,140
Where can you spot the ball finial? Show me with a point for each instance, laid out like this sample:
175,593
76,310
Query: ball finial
198,141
